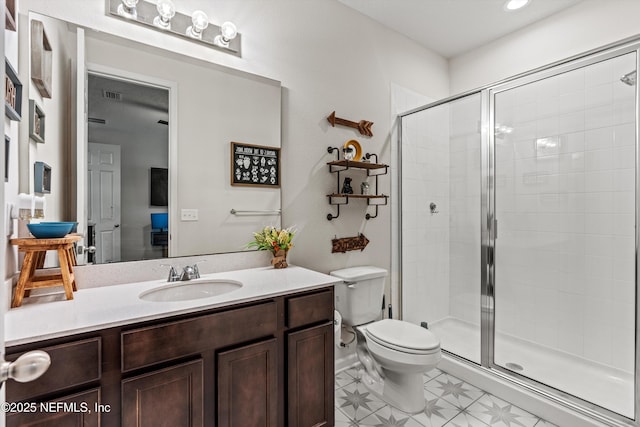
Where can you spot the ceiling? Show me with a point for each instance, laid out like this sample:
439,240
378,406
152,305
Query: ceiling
137,110
452,27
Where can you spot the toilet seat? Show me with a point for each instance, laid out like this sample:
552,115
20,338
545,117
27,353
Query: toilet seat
403,336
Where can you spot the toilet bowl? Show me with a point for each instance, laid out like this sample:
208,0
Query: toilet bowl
394,354
402,352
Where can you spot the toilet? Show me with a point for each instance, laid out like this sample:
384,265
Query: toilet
394,354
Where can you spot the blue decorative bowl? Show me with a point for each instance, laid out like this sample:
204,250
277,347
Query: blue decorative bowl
50,230
73,224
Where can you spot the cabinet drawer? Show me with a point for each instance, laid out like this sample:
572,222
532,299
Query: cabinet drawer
311,308
72,364
159,343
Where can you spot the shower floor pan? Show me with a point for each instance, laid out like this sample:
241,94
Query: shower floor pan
600,384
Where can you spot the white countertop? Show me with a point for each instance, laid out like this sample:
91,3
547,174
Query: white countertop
46,317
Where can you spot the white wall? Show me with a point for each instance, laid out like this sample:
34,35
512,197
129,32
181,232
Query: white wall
328,57
24,150
57,110
585,26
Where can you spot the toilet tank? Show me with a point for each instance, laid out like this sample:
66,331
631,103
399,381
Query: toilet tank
359,296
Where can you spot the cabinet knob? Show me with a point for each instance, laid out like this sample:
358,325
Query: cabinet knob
26,368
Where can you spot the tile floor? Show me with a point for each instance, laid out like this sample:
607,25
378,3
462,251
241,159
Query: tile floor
450,402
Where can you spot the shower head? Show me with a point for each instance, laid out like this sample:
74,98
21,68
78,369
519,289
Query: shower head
629,78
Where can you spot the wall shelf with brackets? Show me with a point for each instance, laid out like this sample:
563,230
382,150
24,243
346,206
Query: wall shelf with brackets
373,169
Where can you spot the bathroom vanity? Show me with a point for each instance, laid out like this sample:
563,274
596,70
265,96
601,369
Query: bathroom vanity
252,357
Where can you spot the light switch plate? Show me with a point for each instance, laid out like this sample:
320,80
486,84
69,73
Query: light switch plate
189,214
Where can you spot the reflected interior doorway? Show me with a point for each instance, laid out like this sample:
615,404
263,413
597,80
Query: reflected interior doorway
127,124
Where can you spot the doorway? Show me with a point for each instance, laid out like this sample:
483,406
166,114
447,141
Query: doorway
131,117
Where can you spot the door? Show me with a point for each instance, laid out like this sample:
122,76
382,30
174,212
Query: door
310,393
103,181
169,397
565,203
247,386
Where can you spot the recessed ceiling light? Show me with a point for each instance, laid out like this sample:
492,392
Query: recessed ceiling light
515,4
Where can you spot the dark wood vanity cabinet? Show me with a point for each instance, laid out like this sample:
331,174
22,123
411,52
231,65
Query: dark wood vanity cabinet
267,363
310,360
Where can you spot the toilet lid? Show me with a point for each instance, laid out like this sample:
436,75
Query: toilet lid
403,335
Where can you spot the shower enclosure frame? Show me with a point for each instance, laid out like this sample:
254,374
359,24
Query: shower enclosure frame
489,228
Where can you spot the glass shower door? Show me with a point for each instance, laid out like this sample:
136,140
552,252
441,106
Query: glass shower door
441,226
564,272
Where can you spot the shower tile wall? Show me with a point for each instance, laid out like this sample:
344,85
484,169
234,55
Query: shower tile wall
565,205
425,236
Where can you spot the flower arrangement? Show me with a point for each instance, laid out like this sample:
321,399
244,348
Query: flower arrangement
278,241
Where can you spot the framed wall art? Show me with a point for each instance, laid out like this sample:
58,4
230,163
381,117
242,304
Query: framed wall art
36,122
41,59
159,178
41,178
10,15
12,94
255,165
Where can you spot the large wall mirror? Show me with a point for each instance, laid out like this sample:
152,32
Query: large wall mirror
143,162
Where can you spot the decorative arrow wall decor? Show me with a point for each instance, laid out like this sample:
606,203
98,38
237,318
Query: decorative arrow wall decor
349,244
363,126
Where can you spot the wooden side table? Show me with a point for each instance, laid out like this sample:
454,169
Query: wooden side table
35,251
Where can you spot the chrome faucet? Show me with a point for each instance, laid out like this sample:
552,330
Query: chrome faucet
190,272
174,276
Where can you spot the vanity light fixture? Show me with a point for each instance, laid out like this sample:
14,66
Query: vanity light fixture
163,16
199,21
515,4
166,11
128,9
228,32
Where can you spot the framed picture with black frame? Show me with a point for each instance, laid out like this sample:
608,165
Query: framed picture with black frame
255,165
159,191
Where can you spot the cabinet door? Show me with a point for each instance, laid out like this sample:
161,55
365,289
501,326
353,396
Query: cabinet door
310,377
78,410
247,386
167,397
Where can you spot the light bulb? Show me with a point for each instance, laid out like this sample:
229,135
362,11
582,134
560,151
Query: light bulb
515,4
166,11
199,21
128,9
228,32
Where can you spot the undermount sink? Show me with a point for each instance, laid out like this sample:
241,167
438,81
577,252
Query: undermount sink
184,291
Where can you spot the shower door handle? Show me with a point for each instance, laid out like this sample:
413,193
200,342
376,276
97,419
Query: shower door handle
490,255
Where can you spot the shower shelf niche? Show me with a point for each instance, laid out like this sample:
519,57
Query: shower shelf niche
372,169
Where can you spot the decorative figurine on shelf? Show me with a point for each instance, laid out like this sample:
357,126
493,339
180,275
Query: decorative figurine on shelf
346,186
348,153
364,188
